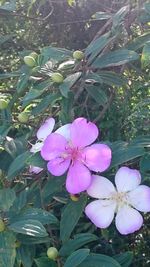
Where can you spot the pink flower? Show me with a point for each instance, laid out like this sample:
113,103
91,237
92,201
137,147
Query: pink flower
68,148
125,200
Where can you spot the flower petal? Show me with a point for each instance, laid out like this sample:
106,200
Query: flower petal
45,129
127,179
53,146
64,131
78,178
101,212
35,169
83,133
100,187
36,147
97,157
128,220
58,166
140,198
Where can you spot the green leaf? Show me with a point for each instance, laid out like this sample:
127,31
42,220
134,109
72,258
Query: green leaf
40,215
145,163
138,42
55,54
96,46
9,5
19,202
31,240
73,211
9,75
29,227
77,257
7,197
48,100
124,152
68,83
26,255
67,65
17,165
7,249
52,186
111,78
125,259
45,262
120,15
35,92
36,160
145,57
78,241
22,83
97,94
115,58
97,260
5,38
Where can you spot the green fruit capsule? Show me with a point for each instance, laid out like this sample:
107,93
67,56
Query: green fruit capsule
2,225
23,117
52,253
79,55
30,61
3,104
57,77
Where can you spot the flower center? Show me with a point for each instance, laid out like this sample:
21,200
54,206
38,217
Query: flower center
121,198
74,153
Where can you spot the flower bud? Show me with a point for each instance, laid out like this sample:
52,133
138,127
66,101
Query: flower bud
74,197
34,55
79,55
52,253
30,61
3,104
23,117
57,77
2,225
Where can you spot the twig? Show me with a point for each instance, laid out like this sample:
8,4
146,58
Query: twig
102,113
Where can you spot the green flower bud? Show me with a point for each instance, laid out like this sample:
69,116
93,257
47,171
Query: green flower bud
57,77
23,117
79,55
34,55
52,253
30,61
3,104
2,225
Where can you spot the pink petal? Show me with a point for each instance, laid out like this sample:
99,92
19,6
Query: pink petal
35,169
127,179
78,178
128,220
58,166
46,129
83,133
140,198
100,187
53,146
64,131
101,212
97,157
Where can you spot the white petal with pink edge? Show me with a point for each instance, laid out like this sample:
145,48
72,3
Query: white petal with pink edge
45,129
101,212
140,198
128,220
100,187
64,131
127,179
